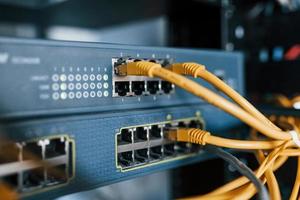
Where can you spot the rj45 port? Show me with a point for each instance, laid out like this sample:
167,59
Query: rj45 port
152,87
166,87
138,87
56,147
140,134
122,88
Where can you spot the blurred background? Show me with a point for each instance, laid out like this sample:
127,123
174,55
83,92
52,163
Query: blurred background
266,31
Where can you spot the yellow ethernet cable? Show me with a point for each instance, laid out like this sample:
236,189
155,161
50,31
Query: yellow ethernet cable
269,175
270,178
150,69
295,190
198,70
202,137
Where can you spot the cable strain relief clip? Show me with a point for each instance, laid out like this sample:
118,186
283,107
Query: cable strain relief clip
295,137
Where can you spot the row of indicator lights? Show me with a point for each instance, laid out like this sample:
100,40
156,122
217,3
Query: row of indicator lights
79,77
78,95
78,86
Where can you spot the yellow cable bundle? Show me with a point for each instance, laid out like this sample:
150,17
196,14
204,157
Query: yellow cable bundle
281,147
202,137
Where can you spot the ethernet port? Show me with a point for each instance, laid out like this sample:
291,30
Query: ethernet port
166,86
195,124
183,147
141,155
57,174
122,88
152,87
9,153
156,152
11,180
165,62
126,136
56,147
32,151
33,178
120,61
195,147
169,149
129,59
140,133
125,158
182,125
166,128
153,61
138,87
168,125
155,132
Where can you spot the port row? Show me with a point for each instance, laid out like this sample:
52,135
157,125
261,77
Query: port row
137,88
127,59
20,172
143,145
139,85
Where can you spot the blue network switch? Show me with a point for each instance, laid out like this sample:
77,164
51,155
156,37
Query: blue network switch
95,155
63,103
49,78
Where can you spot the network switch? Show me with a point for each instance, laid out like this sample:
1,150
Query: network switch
54,78
99,138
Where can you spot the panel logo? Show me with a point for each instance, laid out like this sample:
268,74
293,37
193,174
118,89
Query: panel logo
3,57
